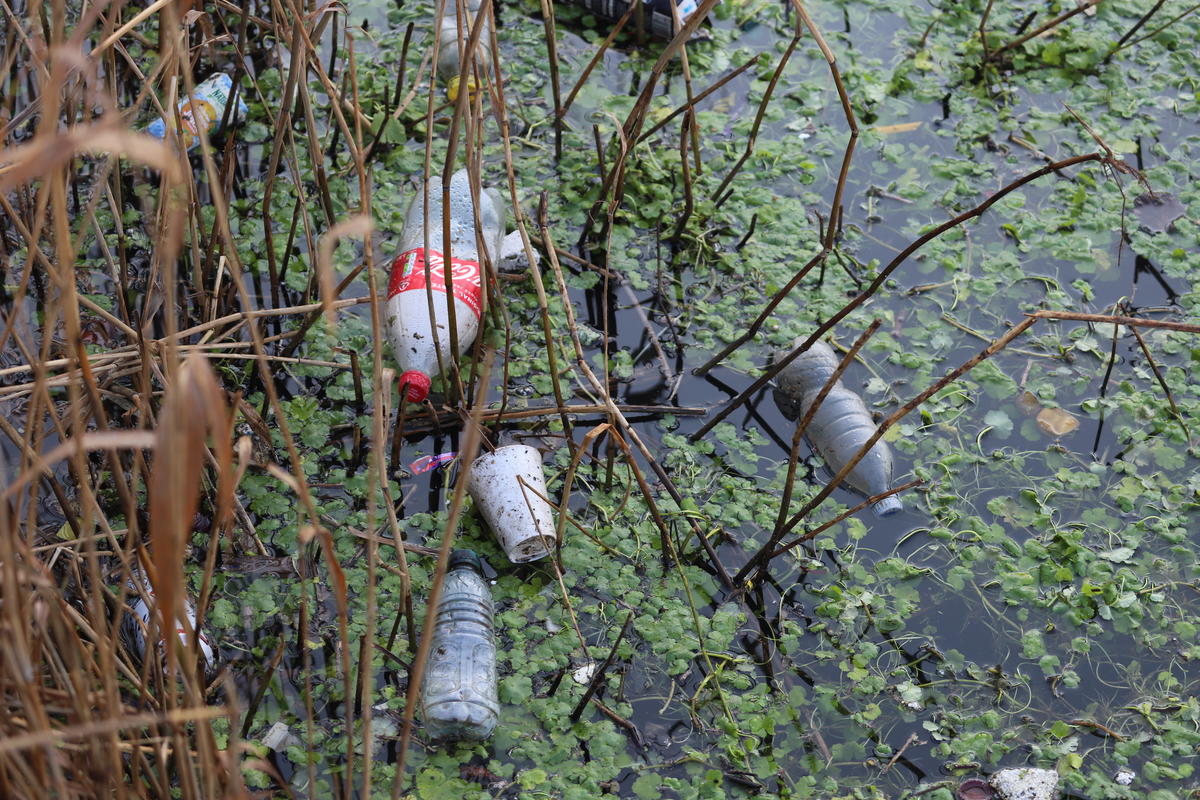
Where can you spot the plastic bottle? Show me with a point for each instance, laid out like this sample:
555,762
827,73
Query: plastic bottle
657,16
458,694
135,632
841,425
202,112
407,312
449,62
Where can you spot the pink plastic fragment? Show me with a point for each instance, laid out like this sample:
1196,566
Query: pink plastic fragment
426,463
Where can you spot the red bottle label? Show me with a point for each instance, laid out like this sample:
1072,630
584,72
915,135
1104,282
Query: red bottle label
408,274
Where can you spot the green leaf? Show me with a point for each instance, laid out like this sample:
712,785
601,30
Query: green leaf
515,689
646,786
999,421
1118,555
532,778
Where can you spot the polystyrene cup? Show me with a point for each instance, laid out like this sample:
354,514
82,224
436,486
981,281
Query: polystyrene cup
508,486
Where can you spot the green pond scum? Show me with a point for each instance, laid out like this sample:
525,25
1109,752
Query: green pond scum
1036,603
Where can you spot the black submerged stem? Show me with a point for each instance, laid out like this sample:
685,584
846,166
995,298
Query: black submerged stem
598,676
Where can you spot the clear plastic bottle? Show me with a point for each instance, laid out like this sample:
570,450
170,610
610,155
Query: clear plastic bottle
449,56
841,425
458,694
407,311
203,111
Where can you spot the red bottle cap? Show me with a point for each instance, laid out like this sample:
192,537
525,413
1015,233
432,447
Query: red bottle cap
418,385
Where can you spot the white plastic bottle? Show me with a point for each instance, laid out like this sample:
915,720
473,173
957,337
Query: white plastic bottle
135,631
449,60
841,425
458,695
416,339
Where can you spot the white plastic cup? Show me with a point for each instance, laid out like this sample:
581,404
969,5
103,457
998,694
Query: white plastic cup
508,486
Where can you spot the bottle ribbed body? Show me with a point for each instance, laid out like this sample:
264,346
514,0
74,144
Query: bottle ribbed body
839,429
841,425
458,693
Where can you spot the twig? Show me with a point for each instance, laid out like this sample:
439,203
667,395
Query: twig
1061,18
1163,383
598,676
1155,32
817,531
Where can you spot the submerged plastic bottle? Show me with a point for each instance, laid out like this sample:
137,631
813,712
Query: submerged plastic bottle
135,632
449,56
458,694
657,16
415,340
841,425
202,112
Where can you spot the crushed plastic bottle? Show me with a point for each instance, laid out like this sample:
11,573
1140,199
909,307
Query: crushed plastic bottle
135,631
458,695
449,55
657,17
841,425
203,111
407,312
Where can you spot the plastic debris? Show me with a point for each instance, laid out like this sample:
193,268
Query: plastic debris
583,675
512,254
841,425
427,463
1056,422
407,317
203,111
508,486
459,695
279,737
135,631
449,57
1157,212
1026,783
1124,777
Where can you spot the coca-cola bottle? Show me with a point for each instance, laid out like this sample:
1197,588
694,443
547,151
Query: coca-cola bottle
416,338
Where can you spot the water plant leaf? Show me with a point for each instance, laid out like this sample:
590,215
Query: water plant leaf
1118,555
999,421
